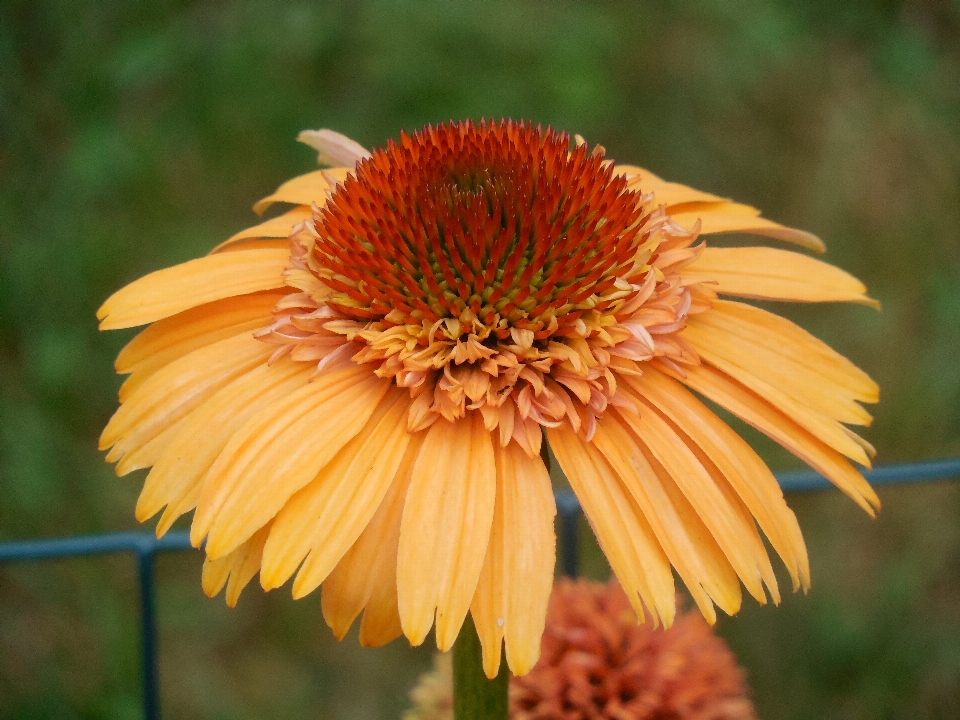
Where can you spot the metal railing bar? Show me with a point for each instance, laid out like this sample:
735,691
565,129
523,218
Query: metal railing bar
808,480
141,543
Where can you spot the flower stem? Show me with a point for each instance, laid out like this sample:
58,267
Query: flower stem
475,697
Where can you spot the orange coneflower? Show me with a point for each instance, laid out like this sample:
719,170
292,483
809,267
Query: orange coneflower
597,663
355,392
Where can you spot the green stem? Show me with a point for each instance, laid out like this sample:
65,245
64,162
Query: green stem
475,697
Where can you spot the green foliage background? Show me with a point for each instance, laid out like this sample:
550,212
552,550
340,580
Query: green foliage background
137,135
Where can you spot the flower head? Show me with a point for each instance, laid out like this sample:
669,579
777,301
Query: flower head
597,662
355,392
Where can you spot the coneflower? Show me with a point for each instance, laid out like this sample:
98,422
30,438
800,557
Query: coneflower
355,392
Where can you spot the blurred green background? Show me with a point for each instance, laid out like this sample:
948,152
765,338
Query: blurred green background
136,135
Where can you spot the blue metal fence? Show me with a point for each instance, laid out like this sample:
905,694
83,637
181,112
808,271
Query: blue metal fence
145,547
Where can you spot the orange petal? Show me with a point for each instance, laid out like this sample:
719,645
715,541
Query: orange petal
742,467
667,193
279,451
326,516
445,528
514,588
236,569
172,290
173,392
166,340
684,538
380,623
729,524
367,575
304,189
770,274
635,555
278,227
755,411
147,454
732,220
764,358
177,477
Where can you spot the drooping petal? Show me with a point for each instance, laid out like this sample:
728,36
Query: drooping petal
445,528
166,340
733,529
722,220
808,369
303,190
685,540
172,290
771,274
333,148
627,540
177,477
174,391
742,467
149,452
325,517
667,193
511,599
366,576
755,411
278,227
278,451
236,569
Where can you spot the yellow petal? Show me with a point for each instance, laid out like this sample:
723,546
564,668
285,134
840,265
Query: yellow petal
177,477
770,274
722,220
278,227
215,573
180,387
172,290
445,528
627,540
304,189
757,412
279,451
326,516
367,575
685,540
514,588
742,467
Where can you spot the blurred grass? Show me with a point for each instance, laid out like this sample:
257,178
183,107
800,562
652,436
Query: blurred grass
133,136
